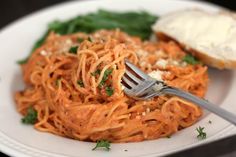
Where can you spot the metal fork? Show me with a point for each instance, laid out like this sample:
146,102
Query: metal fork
139,85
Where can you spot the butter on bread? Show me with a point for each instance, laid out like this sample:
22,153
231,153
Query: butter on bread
211,37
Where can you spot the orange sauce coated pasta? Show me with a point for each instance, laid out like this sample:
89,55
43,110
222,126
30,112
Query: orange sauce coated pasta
66,91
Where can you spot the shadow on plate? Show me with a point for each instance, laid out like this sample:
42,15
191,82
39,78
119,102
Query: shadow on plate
219,86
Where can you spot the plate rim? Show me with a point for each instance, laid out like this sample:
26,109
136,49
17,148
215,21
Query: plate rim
14,151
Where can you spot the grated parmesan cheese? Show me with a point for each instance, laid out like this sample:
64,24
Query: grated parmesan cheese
142,53
184,64
43,53
68,41
159,53
162,63
142,63
122,87
156,75
175,62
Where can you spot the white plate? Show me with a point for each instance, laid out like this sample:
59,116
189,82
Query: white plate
19,140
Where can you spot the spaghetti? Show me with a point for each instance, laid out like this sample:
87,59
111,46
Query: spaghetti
78,94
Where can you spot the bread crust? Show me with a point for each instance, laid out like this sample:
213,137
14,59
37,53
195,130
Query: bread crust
202,56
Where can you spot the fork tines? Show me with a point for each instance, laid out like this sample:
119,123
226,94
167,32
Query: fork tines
135,81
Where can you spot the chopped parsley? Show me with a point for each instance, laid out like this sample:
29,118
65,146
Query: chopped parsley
209,121
109,91
58,81
201,134
102,144
73,49
80,83
168,136
190,59
105,77
90,39
97,72
80,40
30,117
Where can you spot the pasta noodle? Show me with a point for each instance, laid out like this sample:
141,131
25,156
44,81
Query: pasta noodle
79,94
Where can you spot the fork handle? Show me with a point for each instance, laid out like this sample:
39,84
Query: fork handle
202,103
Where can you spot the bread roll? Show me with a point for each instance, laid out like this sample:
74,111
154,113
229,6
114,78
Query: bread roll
211,37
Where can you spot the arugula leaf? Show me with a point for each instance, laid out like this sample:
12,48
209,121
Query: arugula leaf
80,83
201,134
103,144
105,77
30,117
97,72
109,91
102,19
22,61
190,59
73,49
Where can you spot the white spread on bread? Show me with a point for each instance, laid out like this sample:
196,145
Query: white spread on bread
211,33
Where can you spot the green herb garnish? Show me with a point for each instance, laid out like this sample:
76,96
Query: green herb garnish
97,72
23,61
109,91
80,83
168,136
201,134
102,19
30,117
73,49
190,59
58,81
90,39
80,40
105,77
209,121
103,144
